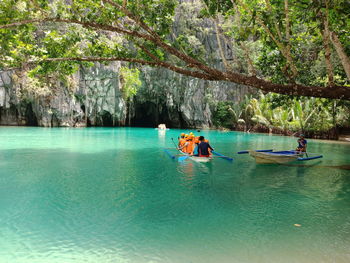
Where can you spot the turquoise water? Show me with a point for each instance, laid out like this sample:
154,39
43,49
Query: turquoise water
112,195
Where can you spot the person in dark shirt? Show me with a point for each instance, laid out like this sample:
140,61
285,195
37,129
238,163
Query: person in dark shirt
203,148
302,143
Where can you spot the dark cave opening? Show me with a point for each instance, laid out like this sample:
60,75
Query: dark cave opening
146,115
107,119
31,119
149,114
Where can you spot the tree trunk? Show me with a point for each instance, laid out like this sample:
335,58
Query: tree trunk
218,38
326,44
341,53
251,68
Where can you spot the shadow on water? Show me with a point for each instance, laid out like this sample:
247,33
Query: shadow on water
316,165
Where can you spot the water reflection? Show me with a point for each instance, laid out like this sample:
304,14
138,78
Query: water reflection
161,135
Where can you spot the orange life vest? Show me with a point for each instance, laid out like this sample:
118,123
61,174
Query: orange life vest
189,147
182,141
196,139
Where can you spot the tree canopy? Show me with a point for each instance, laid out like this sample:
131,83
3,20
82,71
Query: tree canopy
293,47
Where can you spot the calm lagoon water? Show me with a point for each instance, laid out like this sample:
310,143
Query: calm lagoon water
112,195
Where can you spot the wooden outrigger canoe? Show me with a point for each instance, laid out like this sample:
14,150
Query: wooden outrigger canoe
269,156
275,157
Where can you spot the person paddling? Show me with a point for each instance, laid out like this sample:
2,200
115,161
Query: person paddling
182,140
203,147
302,143
188,146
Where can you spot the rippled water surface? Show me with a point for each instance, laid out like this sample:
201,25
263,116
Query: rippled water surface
112,195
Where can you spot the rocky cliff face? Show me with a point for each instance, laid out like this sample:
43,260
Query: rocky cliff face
181,101
165,97
97,101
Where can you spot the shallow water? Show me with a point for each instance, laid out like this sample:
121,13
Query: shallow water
112,195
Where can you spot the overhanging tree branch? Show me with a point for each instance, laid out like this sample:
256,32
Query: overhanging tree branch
337,92
158,41
166,65
283,48
187,59
201,71
84,24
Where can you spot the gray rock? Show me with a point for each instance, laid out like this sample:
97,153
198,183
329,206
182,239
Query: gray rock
164,97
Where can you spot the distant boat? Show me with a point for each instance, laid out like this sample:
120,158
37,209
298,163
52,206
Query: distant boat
162,127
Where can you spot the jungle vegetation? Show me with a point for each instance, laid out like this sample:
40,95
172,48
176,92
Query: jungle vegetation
291,47
281,114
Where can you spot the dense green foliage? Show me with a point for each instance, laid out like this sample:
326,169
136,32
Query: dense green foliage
284,114
224,116
287,42
130,81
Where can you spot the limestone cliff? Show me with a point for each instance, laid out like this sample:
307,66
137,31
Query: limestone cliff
165,96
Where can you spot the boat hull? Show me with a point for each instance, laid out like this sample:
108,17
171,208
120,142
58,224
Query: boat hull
197,158
275,157
200,159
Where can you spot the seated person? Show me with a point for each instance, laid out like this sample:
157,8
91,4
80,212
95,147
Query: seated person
203,148
302,143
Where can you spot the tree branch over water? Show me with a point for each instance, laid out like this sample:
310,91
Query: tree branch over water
121,19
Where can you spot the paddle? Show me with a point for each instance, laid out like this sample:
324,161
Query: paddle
242,152
174,143
183,158
222,156
169,154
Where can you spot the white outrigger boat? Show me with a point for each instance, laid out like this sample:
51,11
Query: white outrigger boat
194,158
269,156
185,156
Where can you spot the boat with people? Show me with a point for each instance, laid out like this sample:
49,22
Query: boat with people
270,156
195,148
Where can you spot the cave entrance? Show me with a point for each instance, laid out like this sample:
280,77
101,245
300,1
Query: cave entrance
150,115
146,115
105,119
30,116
